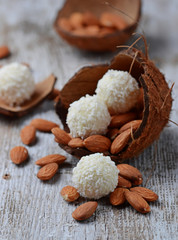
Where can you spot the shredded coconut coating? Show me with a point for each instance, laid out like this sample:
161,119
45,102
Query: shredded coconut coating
88,116
95,176
119,90
16,84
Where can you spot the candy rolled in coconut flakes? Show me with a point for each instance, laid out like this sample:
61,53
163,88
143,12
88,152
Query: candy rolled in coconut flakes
156,96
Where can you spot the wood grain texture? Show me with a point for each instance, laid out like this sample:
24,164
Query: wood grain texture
31,209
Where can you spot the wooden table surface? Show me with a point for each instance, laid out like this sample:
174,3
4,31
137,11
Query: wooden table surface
32,209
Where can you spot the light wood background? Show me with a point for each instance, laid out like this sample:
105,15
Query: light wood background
31,209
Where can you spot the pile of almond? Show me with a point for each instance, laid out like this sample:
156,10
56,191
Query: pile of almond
128,177
87,24
120,133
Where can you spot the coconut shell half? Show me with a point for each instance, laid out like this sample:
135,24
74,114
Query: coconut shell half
130,11
157,99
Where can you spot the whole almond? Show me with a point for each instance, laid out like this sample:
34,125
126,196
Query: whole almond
136,201
90,19
75,143
61,136
112,20
4,52
129,172
117,197
84,211
64,23
18,154
146,193
122,182
53,158
133,125
47,171
76,20
28,134
69,194
97,143
43,125
120,141
118,121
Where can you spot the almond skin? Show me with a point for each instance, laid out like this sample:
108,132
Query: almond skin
146,193
43,125
133,125
47,171
4,52
84,211
97,143
136,201
61,136
69,194
18,154
118,121
53,158
129,172
117,197
28,134
75,143
122,182
120,141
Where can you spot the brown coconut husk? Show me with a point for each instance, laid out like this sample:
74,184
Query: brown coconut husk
157,99
130,11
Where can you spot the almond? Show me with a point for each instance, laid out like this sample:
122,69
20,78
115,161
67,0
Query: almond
92,30
90,19
18,154
146,193
4,52
69,194
136,201
97,143
118,121
84,211
43,125
64,23
75,143
112,133
76,20
120,141
47,171
133,126
129,172
61,136
122,182
28,134
108,19
117,197
53,158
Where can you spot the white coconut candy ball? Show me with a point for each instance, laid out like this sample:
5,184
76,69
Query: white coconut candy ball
95,176
119,90
16,84
87,116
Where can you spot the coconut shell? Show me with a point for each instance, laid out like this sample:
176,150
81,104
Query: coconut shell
109,42
157,99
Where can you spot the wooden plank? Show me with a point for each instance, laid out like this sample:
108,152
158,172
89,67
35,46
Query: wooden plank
31,209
